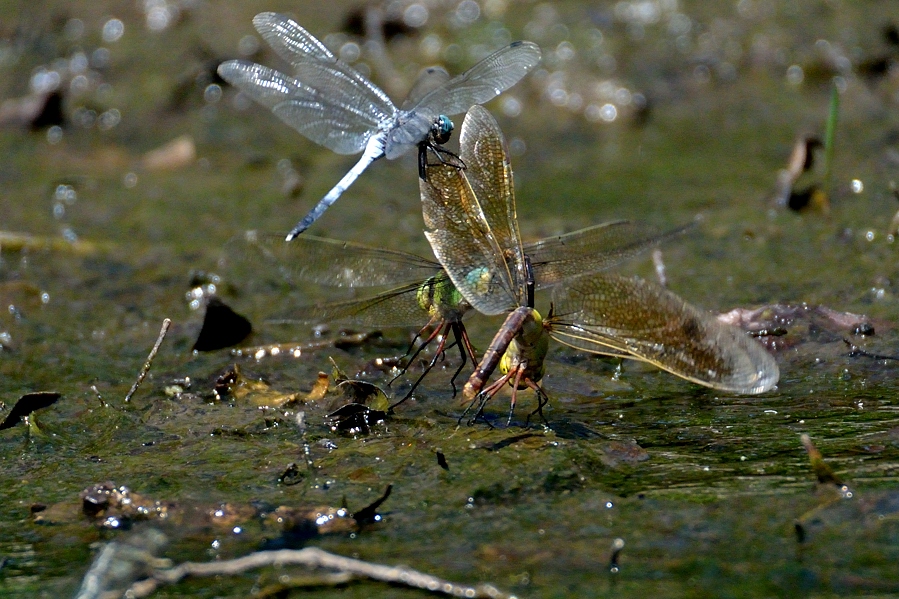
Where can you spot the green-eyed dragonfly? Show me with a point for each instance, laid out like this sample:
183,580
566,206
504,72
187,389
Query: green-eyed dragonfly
334,105
472,227
423,292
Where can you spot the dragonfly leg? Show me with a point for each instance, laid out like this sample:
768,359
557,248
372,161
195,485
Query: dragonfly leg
542,400
463,334
518,374
481,399
464,346
444,156
440,351
424,344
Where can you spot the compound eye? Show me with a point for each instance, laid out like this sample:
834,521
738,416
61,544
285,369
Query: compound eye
442,129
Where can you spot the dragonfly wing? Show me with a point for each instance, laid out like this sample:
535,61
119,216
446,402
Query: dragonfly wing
428,80
482,82
593,249
601,312
288,39
318,68
462,240
396,308
489,172
331,262
301,107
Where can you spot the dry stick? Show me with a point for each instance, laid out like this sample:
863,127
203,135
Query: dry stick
312,557
143,371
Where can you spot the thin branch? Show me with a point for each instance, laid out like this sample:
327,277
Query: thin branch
312,557
143,372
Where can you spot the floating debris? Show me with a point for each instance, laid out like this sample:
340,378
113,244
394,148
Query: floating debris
26,405
178,153
787,193
24,242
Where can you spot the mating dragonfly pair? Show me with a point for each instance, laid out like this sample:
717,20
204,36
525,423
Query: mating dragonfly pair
468,205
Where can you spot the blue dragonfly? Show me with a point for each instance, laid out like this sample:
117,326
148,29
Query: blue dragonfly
335,106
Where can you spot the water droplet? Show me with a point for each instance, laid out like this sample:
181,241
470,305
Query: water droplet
54,135
795,75
113,29
415,15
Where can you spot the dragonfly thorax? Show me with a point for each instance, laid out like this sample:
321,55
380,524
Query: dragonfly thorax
440,298
527,350
408,131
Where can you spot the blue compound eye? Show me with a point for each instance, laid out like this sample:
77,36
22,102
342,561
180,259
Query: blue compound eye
442,129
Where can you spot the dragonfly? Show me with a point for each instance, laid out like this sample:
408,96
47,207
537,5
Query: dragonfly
472,227
421,289
335,106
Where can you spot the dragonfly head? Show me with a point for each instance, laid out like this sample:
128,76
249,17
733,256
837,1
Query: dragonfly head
441,129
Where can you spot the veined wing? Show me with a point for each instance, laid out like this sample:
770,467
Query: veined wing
462,240
326,100
628,315
482,82
335,263
593,249
489,173
344,129
302,50
396,308
289,40
428,80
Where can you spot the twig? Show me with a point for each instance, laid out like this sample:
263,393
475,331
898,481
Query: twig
143,372
99,396
312,557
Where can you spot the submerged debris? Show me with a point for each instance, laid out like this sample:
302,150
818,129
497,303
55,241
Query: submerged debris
117,507
784,325
121,563
834,488
234,384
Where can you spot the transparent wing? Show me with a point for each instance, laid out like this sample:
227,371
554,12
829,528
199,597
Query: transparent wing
593,249
317,67
600,313
325,100
489,173
342,129
289,40
428,80
396,308
462,240
332,262
482,82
